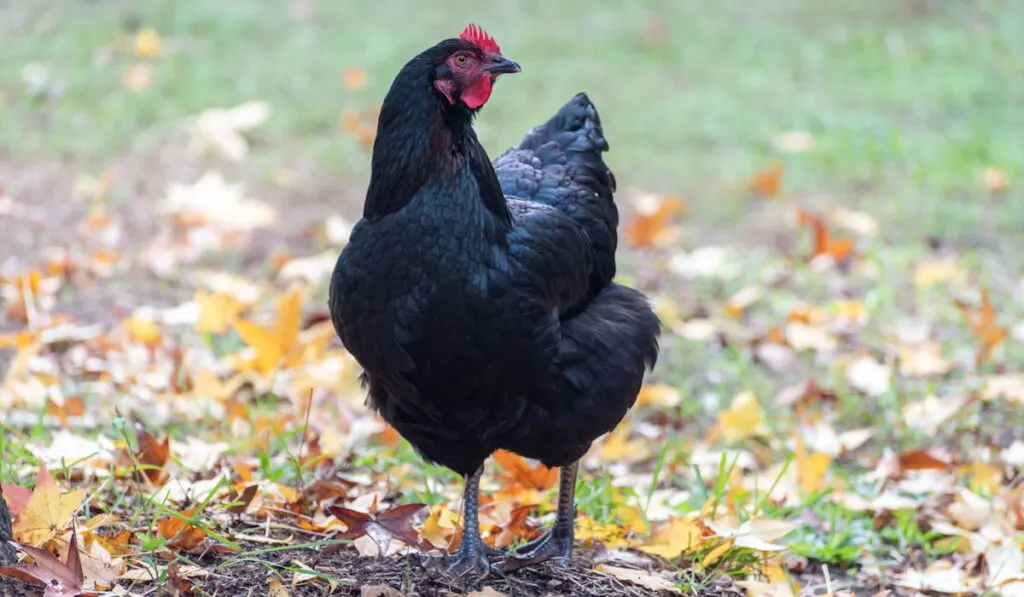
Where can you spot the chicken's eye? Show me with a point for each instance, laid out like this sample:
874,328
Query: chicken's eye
461,60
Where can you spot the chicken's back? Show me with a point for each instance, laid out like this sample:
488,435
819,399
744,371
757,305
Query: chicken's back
559,164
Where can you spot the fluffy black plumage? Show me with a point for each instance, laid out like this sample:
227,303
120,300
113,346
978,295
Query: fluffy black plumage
478,297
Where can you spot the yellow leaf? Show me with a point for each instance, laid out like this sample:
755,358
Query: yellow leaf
147,44
217,311
611,535
143,331
658,395
617,447
441,528
46,514
930,273
675,538
811,469
275,344
743,419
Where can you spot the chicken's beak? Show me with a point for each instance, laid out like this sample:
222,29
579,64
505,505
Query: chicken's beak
500,65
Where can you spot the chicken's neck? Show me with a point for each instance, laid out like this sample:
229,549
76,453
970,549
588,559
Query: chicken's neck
421,139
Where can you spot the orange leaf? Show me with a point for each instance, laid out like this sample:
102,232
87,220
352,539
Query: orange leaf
650,224
531,477
179,533
987,332
72,407
767,182
353,78
920,460
152,456
840,249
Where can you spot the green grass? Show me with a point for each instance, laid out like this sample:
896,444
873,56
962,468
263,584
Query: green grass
908,101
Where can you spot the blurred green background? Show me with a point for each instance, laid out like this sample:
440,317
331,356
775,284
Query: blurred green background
906,101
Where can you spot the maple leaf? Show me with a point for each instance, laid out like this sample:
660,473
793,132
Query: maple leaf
59,578
520,473
46,512
274,344
987,333
382,527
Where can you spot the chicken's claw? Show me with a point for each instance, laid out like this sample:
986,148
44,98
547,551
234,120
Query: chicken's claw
469,563
554,545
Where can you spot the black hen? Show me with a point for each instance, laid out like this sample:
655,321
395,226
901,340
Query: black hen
478,298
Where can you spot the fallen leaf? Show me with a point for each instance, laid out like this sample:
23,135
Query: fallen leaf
221,130
59,578
520,473
868,376
987,332
274,344
353,78
650,225
381,527
743,419
677,537
648,580
767,182
921,460
147,43
181,534
152,456
46,513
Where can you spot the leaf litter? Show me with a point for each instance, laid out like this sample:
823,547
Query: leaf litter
222,442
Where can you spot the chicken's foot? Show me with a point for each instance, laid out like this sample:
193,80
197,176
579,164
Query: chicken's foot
556,544
470,560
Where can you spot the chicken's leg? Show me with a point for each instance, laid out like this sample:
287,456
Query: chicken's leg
556,544
470,560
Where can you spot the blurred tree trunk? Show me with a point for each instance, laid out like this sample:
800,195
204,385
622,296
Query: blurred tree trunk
8,555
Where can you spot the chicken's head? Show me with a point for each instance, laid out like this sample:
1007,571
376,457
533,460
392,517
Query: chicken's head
468,73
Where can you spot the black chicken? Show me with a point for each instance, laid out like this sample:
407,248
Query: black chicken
478,297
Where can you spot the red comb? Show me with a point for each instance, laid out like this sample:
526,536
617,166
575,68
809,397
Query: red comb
481,38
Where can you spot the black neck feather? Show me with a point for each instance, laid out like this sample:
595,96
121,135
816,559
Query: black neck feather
421,136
